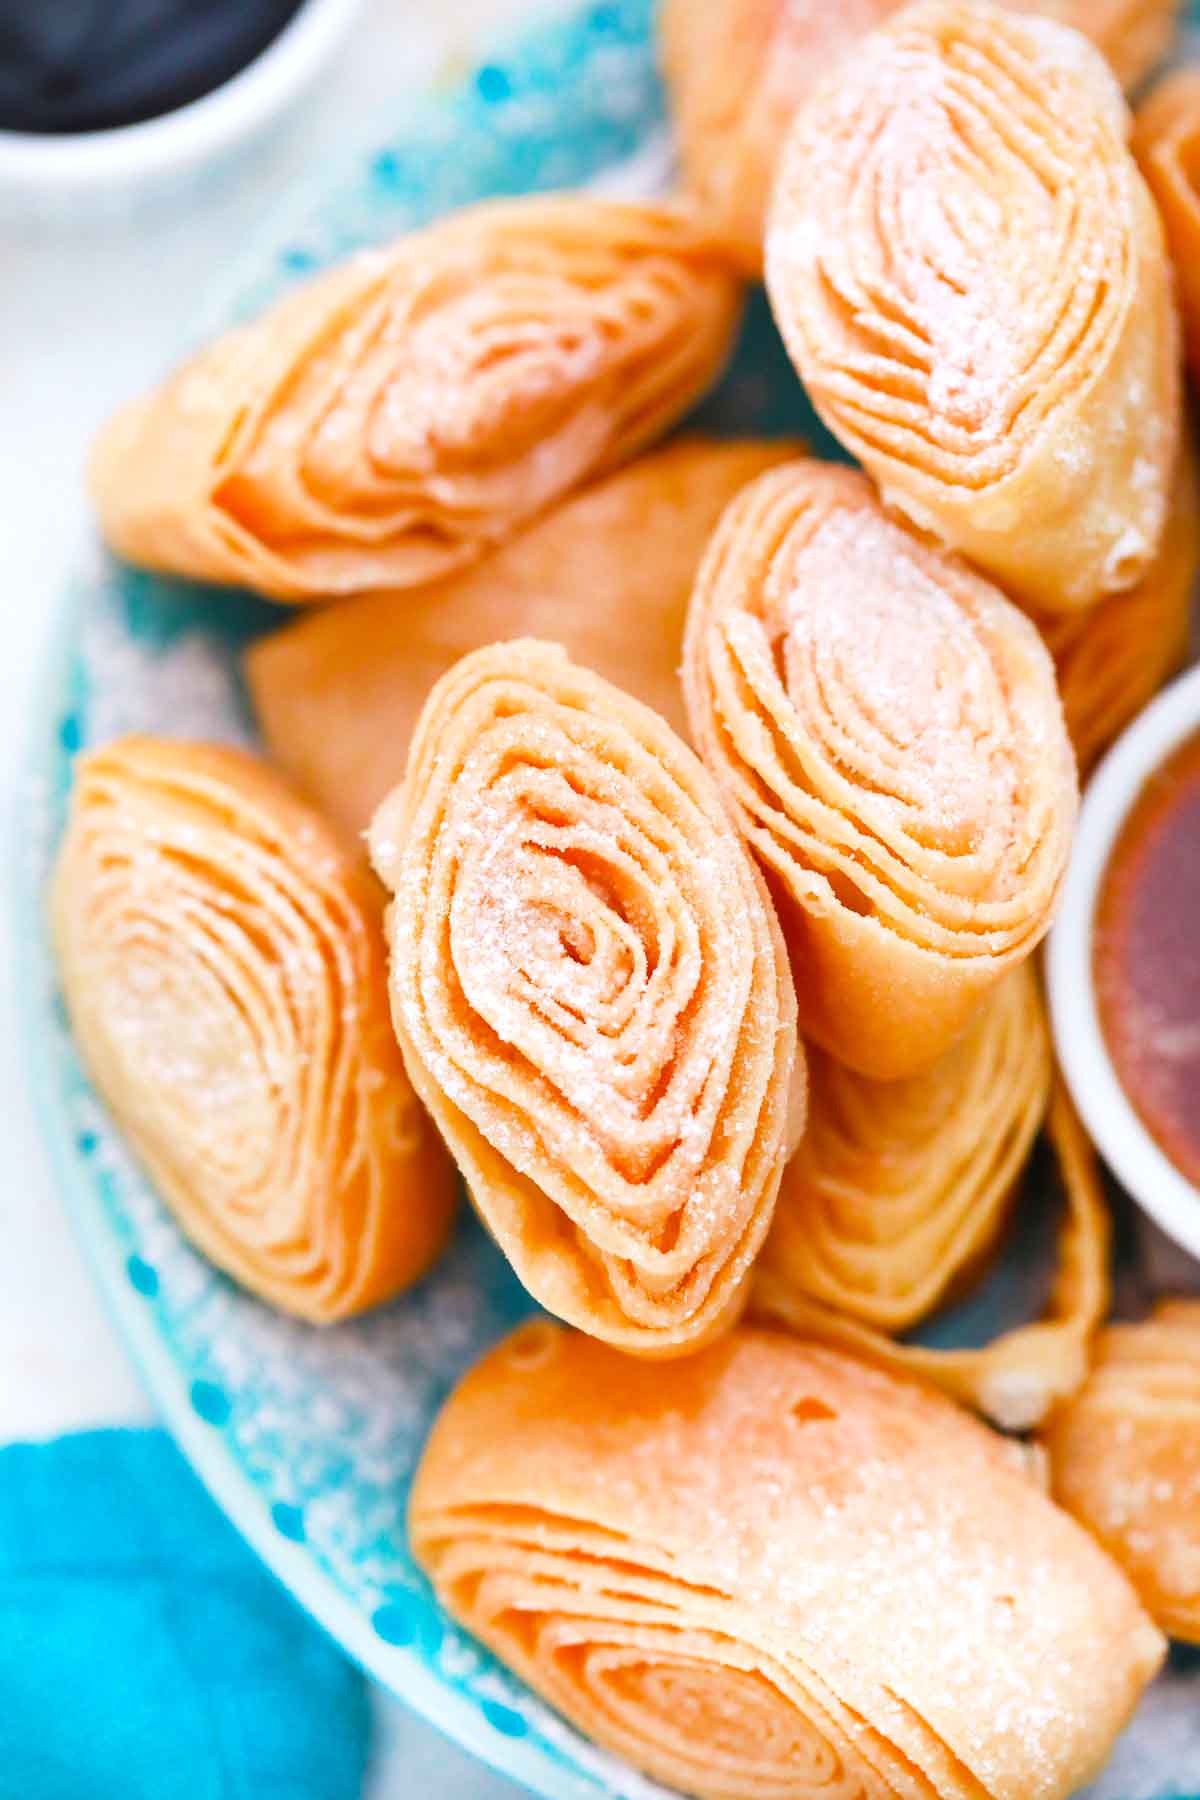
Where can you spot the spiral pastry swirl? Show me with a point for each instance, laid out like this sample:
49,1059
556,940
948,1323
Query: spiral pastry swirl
1112,660
887,731
400,414
1125,1459
768,1572
224,969
899,1189
607,574
1016,1379
971,278
592,995
737,70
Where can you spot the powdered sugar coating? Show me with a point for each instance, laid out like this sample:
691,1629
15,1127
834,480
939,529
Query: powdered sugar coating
592,994
768,1568
886,726
220,953
971,278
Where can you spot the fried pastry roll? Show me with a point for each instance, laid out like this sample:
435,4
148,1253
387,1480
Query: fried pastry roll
607,574
1166,142
1125,1459
736,71
1134,35
592,995
223,963
900,1189
887,731
768,1572
972,280
1112,660
1019,1376
402,413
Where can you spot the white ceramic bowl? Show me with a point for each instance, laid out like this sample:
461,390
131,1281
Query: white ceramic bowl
1124,1142
47,177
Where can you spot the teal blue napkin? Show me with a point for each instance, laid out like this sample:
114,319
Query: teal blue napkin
145,1653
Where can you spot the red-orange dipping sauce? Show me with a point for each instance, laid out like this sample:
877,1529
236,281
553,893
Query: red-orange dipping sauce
1147,958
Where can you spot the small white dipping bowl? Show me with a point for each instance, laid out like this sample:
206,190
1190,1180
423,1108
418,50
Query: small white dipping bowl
48,176
1124,1142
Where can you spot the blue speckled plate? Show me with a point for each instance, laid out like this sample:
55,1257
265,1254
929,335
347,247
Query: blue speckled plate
308,1438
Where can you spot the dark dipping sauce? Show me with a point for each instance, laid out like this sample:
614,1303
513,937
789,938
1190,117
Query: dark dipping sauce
1147,958
92,65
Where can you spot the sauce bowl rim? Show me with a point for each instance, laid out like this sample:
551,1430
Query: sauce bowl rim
1125,1143
87,162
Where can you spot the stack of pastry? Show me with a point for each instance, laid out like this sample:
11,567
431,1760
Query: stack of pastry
1125,1459
719,800
737,72
397,416
592,995
220,951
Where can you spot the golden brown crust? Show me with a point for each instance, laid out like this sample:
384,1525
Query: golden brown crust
1003,356
1017,1378
886,729
769,1571
1166,142
404,412
1112,660
607,574
736,71
1134,35
221,955
592,995
1125,1459
900,1189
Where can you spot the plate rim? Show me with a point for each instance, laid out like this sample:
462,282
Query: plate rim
398,1669
405,1677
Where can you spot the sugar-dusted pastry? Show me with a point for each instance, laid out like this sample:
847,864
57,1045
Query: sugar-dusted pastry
400,414
736,71
899,1189
1166,142
886,728
607,574
1018,1377
971,278
1113,659
769,1572
592,995
1125,1459
223,963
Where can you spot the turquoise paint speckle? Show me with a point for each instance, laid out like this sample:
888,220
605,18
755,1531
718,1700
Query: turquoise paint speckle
395,1622
493,84
143,1276
70,733
86,1143
504,1718
211,1402
288,1521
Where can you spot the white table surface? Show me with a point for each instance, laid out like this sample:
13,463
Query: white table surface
87,316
